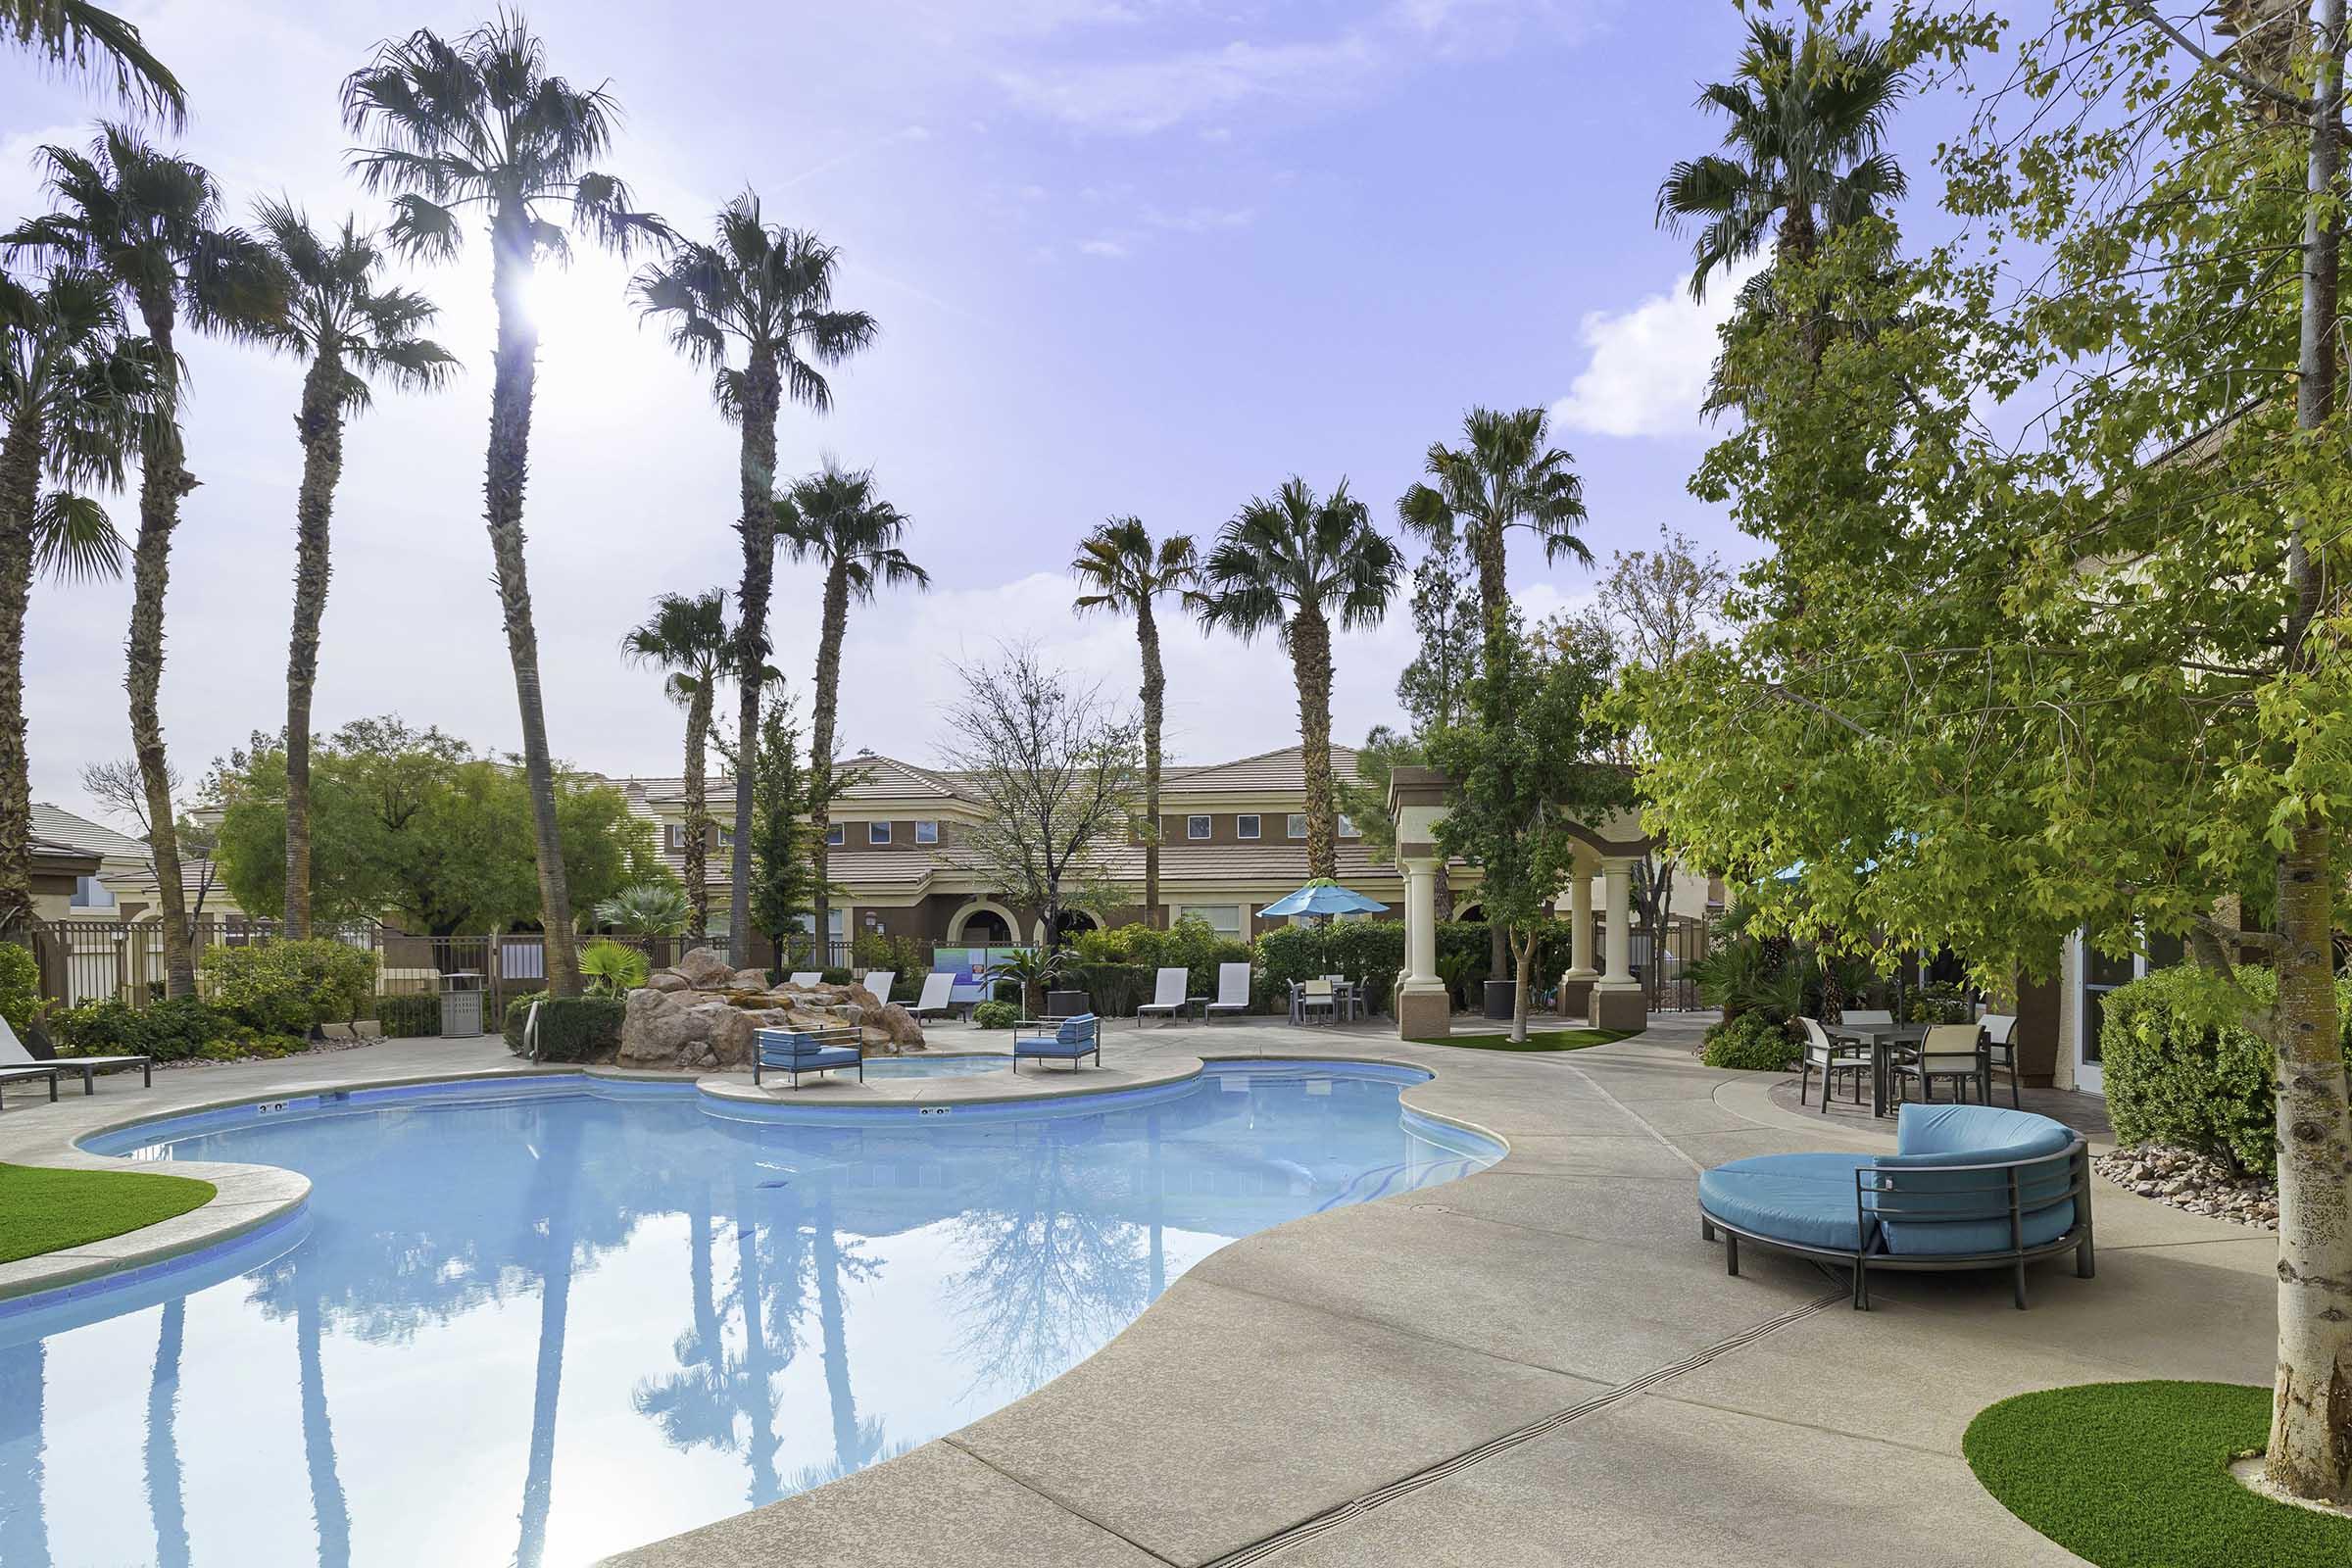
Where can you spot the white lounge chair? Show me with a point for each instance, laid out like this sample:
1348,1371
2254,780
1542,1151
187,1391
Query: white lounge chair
804,978
937,986
879,982
13,1055
1233,990
1167,994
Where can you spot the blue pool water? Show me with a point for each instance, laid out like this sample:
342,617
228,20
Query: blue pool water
537,1323
935,1066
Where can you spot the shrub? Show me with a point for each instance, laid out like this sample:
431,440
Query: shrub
833,977
289,987
409,1017
1751,1043
1937,1003
570,1028
1114,990
178,1029
906,957
2181,1069
996,1015
1192,944
19,986
613,969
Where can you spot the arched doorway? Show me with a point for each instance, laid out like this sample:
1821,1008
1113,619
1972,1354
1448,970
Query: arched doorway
981,925
1071,922
1471,912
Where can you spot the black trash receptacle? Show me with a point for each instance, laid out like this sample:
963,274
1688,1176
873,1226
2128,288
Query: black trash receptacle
1066,1003
1498,999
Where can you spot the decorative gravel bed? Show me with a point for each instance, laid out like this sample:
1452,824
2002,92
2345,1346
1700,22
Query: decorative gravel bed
2196,1182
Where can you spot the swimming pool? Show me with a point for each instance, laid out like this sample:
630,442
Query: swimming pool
542,1322
935,1066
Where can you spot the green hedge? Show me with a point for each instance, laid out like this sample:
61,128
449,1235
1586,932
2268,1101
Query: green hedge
289,987
1752,1042
570,1028
2181,1069
1114,990
176,1029
996,1014
409,1017
19,986
1192,944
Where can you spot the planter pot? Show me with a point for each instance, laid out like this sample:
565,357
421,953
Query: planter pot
1499,995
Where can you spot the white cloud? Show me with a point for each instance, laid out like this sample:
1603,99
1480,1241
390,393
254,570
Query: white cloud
1108,248
1648,371
1140,96
1200,219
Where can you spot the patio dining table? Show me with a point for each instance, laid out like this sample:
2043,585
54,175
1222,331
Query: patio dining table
1344,1000
1886,1040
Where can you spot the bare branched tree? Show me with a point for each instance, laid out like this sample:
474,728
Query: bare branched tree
1057,772
120,791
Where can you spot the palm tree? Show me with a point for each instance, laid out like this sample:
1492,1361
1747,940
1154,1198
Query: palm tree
150,221
481,124
690,638
72,390
833,518
350,327
1125,572
1803,148
1504,477
769,290
81,38
1290,564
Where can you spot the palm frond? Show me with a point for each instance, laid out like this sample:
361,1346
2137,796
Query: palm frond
73,540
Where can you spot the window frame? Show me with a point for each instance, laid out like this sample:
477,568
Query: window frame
1295,827
931,823
1198,825
837,835
877,833
1247,824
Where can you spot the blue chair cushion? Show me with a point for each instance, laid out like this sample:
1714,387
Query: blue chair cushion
1041,1045
1078,1029
1804,1199
1968,1211
799,1052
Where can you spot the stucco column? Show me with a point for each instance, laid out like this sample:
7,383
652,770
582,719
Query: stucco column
1422,1007
1580,929
1618,998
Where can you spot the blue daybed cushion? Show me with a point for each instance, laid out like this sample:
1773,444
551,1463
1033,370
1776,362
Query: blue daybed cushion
1976,1201
1804,1199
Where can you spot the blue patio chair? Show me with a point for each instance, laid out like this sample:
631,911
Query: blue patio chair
1059,1040
1967,1187
799,1051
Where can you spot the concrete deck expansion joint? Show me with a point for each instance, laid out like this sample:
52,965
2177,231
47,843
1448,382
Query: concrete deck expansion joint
1540,1364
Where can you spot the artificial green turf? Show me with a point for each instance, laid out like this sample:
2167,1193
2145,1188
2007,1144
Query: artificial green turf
1537,1040
2136,1475
49,1210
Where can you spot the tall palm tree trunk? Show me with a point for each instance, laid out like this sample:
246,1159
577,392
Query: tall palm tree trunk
1310,663
698,816
831,628
319,423
330,1510
1495,609
508,467
1156,692
164,479
19,494
763,397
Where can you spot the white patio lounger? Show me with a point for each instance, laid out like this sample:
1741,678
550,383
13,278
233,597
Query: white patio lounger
13,1075
937,985
804,978
1167,994
879,982
1233,989
13,1055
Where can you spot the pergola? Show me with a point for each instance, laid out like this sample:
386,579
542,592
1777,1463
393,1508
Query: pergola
1608,846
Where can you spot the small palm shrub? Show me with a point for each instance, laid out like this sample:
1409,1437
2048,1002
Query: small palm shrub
648,908
613,969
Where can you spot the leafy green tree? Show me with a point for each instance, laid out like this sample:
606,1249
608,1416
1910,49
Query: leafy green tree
690,638
783,875
479,123
836,518
1526,769
1125,572
1803,150
1291,564
352,328
1994,689
416,826
81,37
150,223
72,389
764,294
1435,686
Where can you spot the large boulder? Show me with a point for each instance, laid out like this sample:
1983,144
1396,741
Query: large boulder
705,969
679,1028
655,1028
668,980
904,1033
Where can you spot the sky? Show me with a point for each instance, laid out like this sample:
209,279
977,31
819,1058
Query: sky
1145,257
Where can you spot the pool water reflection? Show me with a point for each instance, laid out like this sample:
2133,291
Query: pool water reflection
543,1324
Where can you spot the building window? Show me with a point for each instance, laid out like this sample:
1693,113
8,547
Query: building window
726,838
91,893
1297,824
1196,827
926,832
673,837
1223,918
837,834
1246,827
877,832
1347,829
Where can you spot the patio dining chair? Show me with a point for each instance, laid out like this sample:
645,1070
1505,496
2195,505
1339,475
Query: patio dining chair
2000,1055
1953,1051
1829,1057
1311,996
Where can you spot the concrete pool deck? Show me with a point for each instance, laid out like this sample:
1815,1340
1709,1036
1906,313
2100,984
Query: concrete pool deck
1540,1364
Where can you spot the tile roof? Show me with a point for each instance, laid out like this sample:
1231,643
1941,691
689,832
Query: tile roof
1279,772
81,833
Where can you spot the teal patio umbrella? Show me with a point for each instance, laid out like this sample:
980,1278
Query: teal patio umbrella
1322,896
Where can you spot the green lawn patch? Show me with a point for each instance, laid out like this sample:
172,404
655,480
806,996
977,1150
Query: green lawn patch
2135,1475
50,1210
1537,1040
